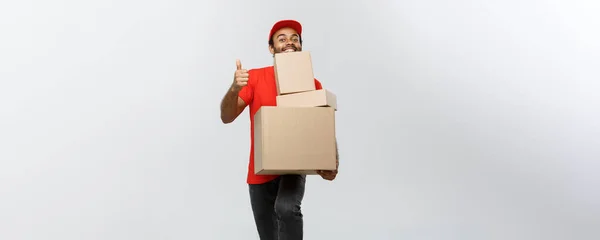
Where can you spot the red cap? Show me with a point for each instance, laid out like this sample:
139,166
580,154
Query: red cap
286,23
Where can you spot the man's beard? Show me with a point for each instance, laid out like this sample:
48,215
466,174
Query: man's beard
288,47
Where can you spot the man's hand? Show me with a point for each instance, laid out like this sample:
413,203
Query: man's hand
240,78
328,174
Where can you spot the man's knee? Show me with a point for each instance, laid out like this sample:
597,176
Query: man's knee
286,210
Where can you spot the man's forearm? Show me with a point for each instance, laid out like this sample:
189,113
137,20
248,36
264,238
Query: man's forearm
229,106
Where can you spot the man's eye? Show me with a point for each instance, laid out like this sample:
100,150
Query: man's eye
281,40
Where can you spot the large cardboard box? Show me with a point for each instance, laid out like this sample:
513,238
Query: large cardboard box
294,140
317,98
293,72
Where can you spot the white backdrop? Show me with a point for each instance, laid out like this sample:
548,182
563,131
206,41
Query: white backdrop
458,119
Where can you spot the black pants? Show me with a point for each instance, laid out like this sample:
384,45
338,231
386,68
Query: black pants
276,207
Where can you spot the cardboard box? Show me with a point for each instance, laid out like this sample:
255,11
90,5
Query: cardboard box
294,140
293,72
317,98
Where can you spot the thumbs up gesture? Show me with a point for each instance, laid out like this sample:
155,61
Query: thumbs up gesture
240,78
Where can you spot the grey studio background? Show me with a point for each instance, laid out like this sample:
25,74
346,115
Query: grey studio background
458,119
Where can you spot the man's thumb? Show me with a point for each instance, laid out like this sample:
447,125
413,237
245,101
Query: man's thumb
238,64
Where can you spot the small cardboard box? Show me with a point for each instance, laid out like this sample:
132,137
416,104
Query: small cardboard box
294,140
293,72
317,98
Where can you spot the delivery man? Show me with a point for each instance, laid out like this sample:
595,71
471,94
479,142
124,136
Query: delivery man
275,200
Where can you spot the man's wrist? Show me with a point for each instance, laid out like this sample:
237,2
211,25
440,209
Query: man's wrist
233,89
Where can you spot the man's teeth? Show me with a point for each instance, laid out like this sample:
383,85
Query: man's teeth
290,50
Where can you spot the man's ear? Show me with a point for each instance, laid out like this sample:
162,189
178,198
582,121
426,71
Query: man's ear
271,49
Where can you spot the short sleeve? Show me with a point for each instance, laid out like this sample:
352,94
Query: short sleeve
247,92
318,85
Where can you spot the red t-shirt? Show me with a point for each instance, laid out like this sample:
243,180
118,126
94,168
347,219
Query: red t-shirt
260,91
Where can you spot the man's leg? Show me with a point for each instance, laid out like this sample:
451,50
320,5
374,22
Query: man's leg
262,199
287,207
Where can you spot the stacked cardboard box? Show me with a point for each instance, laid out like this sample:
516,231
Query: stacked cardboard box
298,135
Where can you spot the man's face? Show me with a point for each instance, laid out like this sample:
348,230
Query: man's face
285,40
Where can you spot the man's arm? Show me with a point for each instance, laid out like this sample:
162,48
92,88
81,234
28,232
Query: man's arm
329,174
231,106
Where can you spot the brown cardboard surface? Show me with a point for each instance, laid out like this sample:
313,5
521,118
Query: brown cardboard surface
317,98
293,72
294,140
